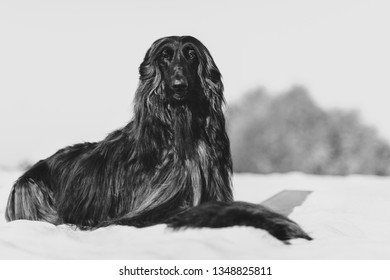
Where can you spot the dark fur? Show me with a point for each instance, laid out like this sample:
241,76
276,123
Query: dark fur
171,164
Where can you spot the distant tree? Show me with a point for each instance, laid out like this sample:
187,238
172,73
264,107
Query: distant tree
290,132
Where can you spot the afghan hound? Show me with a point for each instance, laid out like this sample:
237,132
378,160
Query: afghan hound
170,164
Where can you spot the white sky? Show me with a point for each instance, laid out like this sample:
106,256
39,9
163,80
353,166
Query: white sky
68,69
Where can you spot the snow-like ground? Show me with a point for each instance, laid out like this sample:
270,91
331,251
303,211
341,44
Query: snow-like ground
348,217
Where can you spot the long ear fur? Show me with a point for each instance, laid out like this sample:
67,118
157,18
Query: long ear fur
149,114
211,80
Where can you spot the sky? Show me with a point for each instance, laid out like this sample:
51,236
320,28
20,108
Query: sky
69,69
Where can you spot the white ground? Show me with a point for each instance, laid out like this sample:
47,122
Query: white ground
348,217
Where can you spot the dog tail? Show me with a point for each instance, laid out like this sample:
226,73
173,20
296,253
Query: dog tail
30,200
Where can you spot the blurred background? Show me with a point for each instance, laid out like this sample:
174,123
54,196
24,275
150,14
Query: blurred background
306,82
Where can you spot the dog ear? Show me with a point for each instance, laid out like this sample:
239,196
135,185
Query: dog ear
147,69
150,88
211,78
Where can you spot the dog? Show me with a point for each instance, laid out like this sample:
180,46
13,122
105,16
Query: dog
170,164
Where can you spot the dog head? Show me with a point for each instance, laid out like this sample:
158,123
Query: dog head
180,69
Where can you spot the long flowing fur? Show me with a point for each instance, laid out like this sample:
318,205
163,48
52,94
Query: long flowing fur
172,157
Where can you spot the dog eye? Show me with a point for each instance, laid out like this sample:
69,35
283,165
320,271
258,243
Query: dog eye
191,54
166,54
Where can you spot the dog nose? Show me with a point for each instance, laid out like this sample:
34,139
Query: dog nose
179,84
